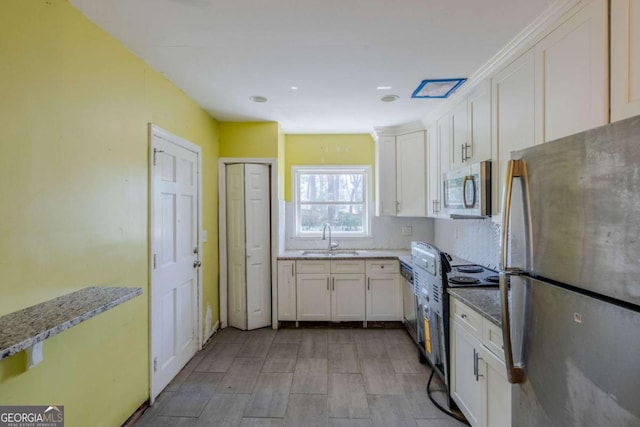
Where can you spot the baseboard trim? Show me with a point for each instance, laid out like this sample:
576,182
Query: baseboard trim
213,333
135,417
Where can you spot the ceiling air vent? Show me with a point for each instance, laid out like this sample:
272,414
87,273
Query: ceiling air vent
437,88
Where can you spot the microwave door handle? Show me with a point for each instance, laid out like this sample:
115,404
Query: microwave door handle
515,373
466,204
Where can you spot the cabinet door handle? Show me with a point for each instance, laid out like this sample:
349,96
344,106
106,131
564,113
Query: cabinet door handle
464,316
333,284
327,283
462,152
292,274
368,283
476,364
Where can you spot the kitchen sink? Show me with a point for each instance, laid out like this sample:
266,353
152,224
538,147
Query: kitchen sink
328,253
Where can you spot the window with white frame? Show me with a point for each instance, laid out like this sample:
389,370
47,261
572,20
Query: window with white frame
335,195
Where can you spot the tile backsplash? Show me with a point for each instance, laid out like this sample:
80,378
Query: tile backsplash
386,233
476,240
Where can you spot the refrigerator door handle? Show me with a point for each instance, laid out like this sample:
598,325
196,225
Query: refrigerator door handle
515,169
515,373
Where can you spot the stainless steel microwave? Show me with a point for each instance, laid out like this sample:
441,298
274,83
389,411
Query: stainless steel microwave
467,191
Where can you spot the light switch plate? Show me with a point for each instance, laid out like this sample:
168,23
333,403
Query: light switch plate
203,236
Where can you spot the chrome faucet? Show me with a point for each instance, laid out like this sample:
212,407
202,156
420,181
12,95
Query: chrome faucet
332,245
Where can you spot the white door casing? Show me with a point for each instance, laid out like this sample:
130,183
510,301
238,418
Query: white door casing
257,243
175,289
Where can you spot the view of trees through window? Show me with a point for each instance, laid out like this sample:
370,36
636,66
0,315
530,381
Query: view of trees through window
336,198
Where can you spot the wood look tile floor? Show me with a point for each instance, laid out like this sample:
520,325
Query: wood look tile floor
302,377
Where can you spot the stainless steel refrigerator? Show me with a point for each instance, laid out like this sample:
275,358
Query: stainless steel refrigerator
571,257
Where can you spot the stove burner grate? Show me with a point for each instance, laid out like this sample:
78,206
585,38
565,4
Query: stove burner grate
463,280
492,279
470,269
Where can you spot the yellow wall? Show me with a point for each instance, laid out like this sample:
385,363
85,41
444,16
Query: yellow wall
249,139
281,163
335,149
74,108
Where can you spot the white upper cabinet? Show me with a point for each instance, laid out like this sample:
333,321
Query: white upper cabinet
512,91
411,181
571,75
386,176
459,134
438,150
625,59
444,142
471,127
479,123
434,181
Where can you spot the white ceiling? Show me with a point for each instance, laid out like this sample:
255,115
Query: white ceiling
337,52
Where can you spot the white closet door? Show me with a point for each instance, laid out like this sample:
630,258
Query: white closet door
236,262
258,247
248,245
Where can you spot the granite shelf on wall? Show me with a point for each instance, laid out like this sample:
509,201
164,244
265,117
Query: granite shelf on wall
25,328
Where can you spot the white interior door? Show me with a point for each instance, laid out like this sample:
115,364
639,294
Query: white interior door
258,245
174,273
236,244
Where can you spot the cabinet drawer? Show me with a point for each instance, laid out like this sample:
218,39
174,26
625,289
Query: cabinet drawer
313,267
383,266
347,266
468,318
492,338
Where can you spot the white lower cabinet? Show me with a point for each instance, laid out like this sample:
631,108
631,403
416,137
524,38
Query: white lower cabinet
347,294
314,296
339,290
325,296
466,390
287,290
384,292
479,382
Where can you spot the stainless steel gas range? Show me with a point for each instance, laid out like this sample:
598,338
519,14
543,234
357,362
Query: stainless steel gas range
433,272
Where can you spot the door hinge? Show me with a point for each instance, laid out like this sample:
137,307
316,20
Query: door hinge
155,261
155,364
155,152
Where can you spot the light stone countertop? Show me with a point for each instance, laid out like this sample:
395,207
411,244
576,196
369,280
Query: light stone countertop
340,254
22,329
485,301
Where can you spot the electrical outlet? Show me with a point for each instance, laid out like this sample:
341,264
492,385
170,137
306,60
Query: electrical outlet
406,230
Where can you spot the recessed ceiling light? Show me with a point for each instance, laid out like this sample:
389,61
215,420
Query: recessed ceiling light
258,99
383,87
389,98
294,87
437,88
